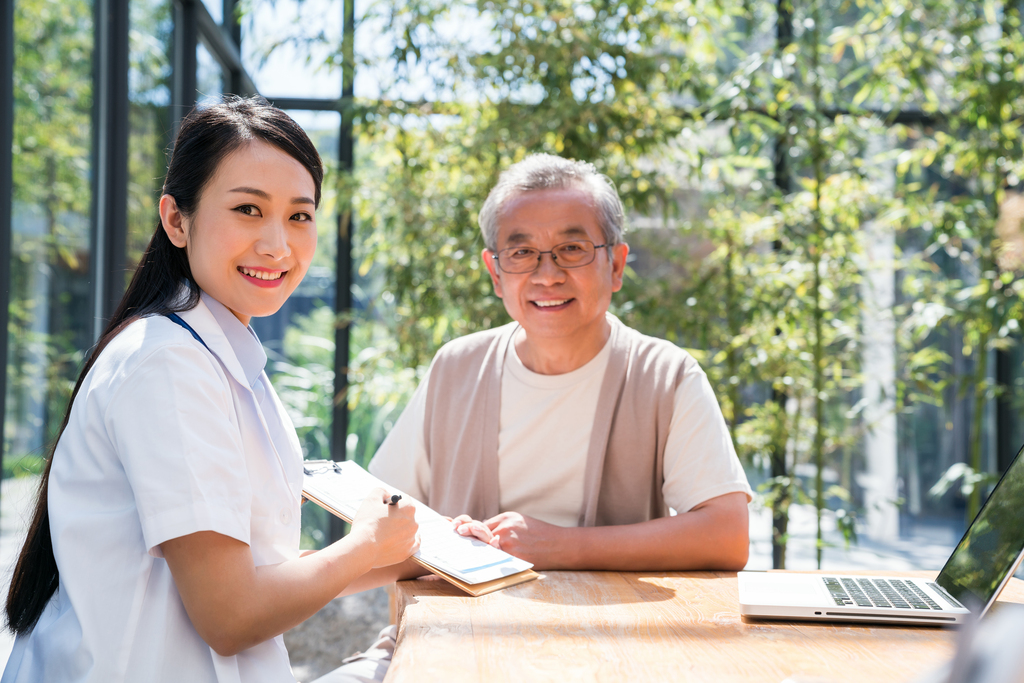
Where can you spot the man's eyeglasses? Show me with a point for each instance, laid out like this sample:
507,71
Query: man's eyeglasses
519,260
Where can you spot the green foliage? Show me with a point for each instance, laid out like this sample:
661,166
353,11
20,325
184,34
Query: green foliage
53,103
416,216
953,179
23,466
149,79
304,379
969,480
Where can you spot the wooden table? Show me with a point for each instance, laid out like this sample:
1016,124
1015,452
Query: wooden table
619,626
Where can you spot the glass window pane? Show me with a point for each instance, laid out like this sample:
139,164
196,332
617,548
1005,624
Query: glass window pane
293,69
209,76
149,81
50,306
216,9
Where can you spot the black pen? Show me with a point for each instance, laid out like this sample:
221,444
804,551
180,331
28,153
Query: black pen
395,498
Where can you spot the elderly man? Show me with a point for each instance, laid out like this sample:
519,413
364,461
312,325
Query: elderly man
566,438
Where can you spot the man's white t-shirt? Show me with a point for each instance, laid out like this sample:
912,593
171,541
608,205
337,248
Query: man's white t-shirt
544,431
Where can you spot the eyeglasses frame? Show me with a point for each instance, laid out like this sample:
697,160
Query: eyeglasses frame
554,259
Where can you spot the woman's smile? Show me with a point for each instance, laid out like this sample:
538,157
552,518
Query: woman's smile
262,277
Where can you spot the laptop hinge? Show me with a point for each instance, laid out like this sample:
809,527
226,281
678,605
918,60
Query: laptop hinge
945,594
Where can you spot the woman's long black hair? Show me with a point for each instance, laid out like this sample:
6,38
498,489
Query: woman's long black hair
207,135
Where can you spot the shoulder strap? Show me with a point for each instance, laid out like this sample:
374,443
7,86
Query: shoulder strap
175,318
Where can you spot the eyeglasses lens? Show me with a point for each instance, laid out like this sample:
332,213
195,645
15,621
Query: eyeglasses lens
565,255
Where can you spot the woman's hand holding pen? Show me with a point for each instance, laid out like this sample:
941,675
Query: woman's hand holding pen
391,529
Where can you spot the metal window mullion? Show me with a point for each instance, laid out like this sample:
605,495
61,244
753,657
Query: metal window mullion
6,189
783,37
223,48
232,29
232,25
184,63
1007,416
343,266
110,160
311,103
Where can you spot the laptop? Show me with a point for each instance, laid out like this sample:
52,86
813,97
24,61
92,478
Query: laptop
982,563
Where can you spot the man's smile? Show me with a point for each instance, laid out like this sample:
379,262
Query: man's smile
550,303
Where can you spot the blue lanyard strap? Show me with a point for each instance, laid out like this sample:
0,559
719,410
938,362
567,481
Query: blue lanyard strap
175,318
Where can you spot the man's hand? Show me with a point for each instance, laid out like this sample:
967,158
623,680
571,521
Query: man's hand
467,526
529,539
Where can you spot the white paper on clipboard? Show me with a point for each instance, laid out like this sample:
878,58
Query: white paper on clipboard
344,486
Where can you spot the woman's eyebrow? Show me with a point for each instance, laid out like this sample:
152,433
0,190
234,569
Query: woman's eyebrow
263,195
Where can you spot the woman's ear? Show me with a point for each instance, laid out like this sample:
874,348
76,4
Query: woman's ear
172,221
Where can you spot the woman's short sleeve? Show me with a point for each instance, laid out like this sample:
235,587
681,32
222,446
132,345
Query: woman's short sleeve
174,426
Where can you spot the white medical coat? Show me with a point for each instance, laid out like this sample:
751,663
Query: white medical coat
165,438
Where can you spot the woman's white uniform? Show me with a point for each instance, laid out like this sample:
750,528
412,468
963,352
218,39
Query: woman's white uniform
166,438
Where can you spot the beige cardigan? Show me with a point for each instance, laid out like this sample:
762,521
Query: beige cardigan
625,459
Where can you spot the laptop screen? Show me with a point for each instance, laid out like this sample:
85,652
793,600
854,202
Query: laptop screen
992,546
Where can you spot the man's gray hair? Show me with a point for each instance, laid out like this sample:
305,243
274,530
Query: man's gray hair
549,172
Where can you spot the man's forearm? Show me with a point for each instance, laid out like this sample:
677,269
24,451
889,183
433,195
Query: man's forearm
714,535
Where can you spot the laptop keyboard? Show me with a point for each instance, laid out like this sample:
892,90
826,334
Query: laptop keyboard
878,593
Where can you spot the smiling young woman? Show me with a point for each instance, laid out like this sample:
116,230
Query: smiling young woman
164,545
252,239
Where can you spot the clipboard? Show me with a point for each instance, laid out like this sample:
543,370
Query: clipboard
468,563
